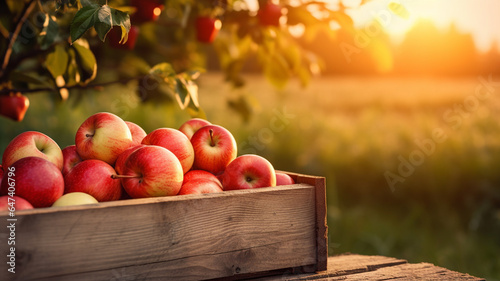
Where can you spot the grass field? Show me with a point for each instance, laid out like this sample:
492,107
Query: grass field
411,163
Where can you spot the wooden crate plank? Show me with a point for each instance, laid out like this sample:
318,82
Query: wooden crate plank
275,225
319,184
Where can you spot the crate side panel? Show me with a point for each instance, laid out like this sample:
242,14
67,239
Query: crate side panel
171,233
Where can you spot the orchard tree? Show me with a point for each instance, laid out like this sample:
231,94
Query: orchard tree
66,47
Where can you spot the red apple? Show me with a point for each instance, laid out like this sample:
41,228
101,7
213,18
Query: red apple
200,174
283,179
152,171
15,203
1,174
175,141
14,106
32,143
269,14
137,132
70,158
35,179
115,38
95,178
249,171
103,136
200,186
146,10
199,181
75,198
122,158
214,148
207,29
192,125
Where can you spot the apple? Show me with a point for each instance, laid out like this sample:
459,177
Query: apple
200,174
214,148
14,106
1,174
103,136
122,158
269,14
94,177
35,179
137,132
200,186
70,158
283,179
207,29
15,201
31,143
175,141
146,10
115,37
152,171
249,171
192,125
75,198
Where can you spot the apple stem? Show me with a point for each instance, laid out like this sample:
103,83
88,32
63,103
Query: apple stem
89,135
124,177
212,143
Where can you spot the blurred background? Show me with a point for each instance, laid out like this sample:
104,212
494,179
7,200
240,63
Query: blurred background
394,102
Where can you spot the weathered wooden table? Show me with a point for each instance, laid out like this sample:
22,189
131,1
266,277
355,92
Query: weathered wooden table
352,267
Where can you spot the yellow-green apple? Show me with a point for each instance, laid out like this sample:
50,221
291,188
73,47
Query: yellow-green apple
137,132
14,106
35,179
214,148
152,171
249,171
14,203
75,198
31,143
122,158
70,158
94,177
198,182
283,179
192,125
103,136
175,141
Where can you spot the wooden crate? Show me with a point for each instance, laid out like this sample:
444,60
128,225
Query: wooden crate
232,235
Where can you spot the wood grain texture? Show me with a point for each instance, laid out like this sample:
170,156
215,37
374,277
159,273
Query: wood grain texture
354,267
189,237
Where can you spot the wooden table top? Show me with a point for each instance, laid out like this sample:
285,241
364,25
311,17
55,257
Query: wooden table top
352,267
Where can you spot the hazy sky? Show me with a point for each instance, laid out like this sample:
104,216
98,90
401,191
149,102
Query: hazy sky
479,17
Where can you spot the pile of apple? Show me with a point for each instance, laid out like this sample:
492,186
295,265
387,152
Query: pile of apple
113,159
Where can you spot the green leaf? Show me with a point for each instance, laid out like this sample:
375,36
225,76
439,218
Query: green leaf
49,33
109,17
277,71
181,93
30,78
84,19
164,70
57,61
86,62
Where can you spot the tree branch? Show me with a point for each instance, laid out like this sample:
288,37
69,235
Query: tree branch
78,86
8,52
